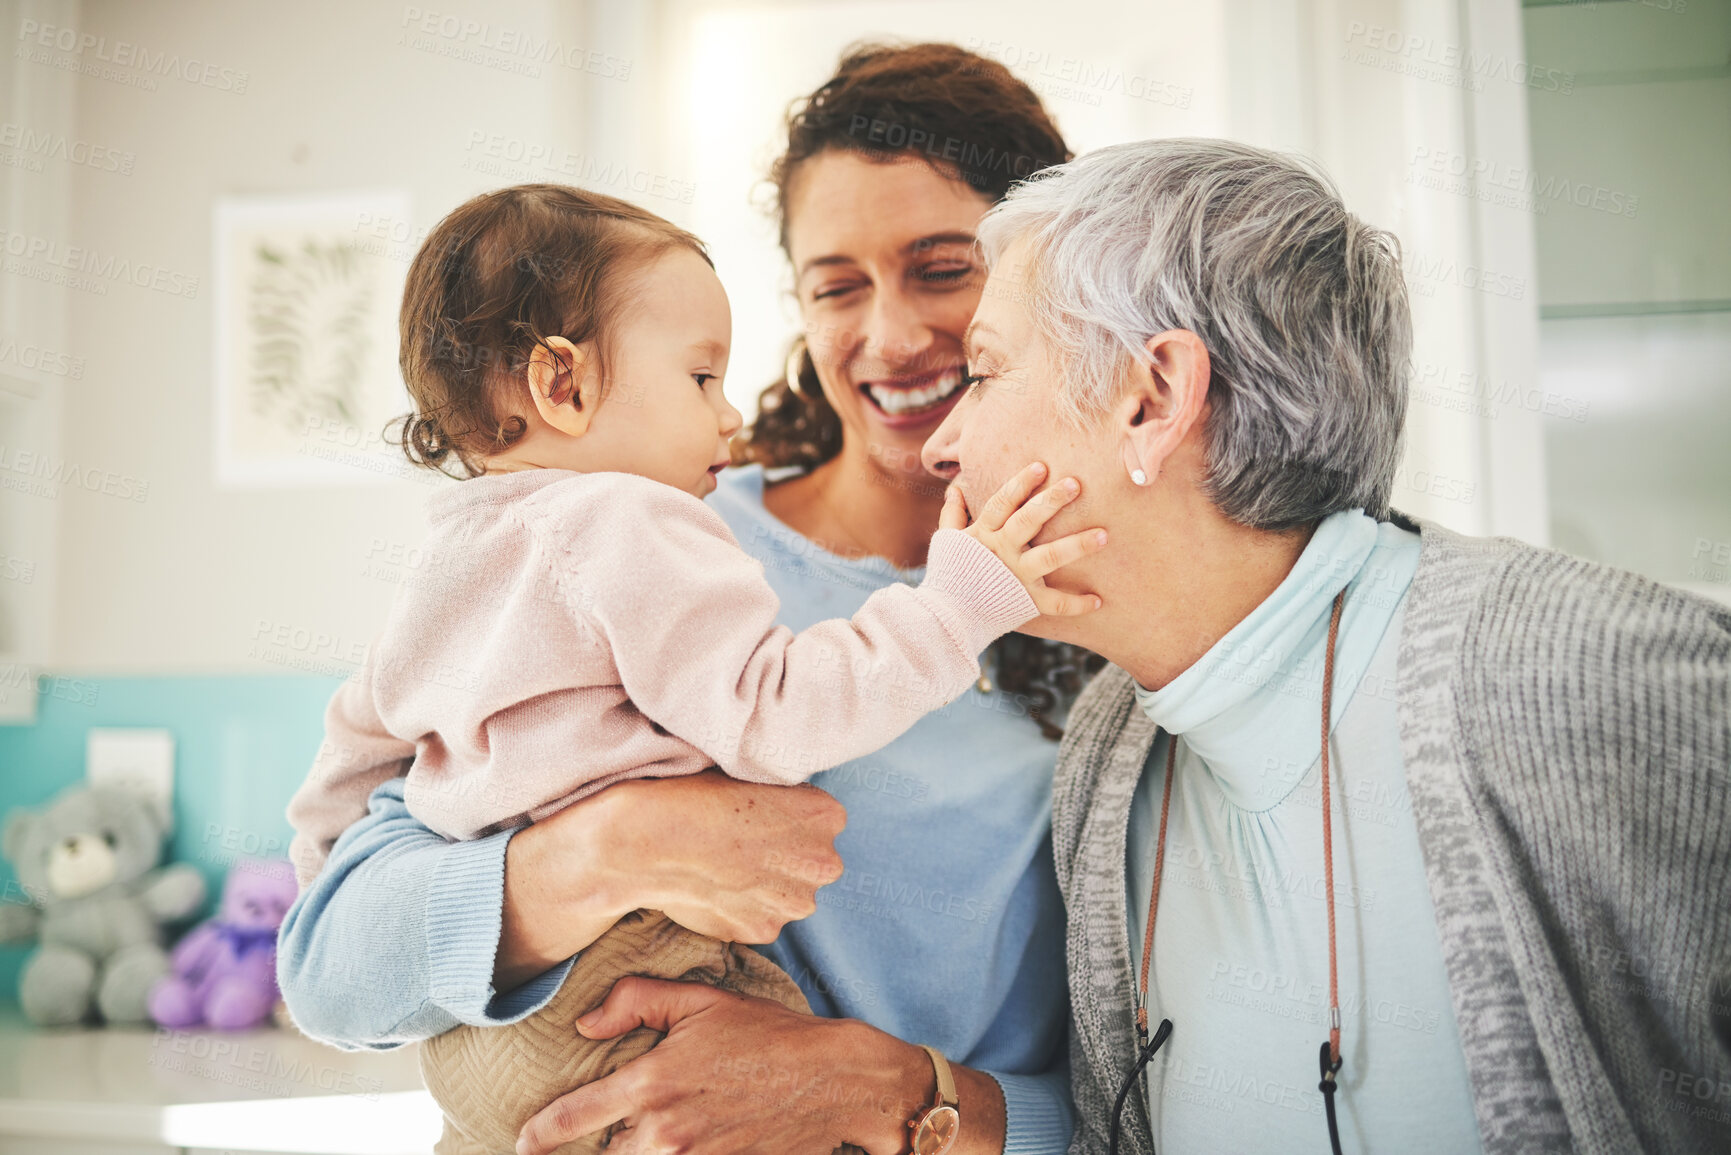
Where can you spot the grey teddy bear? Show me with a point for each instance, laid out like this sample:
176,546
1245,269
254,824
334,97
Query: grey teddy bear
97,905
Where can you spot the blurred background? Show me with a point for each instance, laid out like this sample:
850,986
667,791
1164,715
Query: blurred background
184,557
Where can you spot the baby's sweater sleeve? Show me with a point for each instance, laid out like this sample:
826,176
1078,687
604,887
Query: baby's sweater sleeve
358,754
691,624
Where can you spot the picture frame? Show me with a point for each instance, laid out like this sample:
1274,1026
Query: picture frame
305,378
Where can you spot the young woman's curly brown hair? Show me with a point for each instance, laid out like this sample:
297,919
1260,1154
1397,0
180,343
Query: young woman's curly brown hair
971,119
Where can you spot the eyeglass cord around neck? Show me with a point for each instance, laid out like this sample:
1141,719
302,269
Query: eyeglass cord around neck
1329,1058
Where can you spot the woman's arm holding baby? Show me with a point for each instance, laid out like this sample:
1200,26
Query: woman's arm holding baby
403,935
748,860
394,940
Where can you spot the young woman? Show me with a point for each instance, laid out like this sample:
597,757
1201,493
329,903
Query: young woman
945,929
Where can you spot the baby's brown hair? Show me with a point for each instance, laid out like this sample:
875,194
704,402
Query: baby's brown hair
494,279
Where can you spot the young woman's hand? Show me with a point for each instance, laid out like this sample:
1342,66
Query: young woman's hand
1011,519
733,860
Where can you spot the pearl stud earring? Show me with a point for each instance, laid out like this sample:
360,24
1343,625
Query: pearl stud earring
1138,477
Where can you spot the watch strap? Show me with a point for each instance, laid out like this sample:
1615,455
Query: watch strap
946,1080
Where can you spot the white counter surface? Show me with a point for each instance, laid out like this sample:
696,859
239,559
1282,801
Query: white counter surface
150,1091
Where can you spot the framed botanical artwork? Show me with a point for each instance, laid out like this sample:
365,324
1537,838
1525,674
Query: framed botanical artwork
306,296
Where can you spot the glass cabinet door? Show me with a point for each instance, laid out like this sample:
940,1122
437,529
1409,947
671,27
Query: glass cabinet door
1631,190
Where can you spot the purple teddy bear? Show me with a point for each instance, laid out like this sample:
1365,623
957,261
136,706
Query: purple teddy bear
223,973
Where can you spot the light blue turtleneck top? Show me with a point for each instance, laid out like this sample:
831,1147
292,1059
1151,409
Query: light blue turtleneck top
1241,943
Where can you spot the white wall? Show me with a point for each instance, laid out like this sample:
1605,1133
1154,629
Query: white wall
181,581
36,365
333,101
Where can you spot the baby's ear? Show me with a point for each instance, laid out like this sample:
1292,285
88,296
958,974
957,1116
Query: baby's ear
563,384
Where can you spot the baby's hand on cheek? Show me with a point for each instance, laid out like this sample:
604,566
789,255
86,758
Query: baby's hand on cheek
1012,518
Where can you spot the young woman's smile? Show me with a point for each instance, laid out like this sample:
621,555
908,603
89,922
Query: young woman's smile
915,400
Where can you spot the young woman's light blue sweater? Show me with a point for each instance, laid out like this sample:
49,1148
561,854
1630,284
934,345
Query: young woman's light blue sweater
946,927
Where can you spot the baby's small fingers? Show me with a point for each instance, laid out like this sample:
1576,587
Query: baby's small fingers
1010,495
1058,604
954,514
1043,559
1039,509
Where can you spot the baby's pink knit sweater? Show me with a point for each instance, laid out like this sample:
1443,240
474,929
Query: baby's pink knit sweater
567,631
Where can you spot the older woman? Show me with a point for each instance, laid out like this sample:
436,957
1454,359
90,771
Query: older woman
1381,830
946,926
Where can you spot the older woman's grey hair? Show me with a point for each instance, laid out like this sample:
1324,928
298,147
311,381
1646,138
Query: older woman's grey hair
1300,304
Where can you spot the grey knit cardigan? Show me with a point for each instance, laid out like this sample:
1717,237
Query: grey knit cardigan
1567,735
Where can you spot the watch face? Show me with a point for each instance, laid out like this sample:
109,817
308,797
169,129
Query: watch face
937,1131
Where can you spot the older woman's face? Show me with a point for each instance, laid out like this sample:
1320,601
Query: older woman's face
887,278
1010,416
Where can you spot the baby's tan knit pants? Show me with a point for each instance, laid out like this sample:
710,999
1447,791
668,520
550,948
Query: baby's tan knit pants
490,1080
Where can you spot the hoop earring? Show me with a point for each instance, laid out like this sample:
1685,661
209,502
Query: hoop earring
796,359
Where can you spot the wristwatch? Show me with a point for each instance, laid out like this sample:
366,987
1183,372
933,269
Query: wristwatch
935,1128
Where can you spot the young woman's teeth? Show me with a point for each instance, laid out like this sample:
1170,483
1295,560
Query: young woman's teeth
899,401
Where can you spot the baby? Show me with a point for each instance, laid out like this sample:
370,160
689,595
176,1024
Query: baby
584,618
